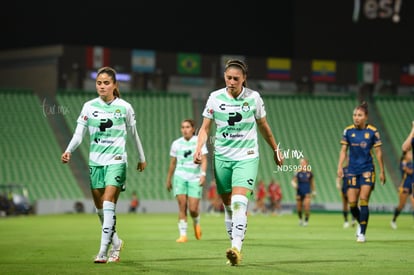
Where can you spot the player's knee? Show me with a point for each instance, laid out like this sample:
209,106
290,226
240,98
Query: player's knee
239,203
353,204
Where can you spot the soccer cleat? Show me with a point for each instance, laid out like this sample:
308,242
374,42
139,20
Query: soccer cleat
346,224
182,239
305,223
197,231
361,238
100,259
300,223
233,255
393,225
114,253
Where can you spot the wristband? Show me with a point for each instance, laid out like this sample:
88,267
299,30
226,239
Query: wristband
203,173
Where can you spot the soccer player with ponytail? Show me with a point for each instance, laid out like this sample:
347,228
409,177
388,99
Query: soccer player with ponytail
109,119
238,113
360,139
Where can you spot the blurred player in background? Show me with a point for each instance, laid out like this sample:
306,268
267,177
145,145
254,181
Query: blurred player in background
275,196
407,182
304,183
134,203
187,178
215,202
342,185
260,198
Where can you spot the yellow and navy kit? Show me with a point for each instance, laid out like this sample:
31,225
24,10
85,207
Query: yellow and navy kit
360,142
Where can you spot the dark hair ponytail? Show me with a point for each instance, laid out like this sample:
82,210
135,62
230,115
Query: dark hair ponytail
238,64
363,106
112,73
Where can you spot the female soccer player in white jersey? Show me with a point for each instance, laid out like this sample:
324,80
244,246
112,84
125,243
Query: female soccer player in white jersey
186,178
108,119
237,112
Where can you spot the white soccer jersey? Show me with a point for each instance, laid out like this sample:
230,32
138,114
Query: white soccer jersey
235,118
183,150
107,125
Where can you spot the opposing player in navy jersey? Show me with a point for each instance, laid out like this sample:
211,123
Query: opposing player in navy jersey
304,183
406,184
408,143
359,139
342,185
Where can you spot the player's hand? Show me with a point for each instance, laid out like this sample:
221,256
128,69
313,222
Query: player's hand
338,183
141,166
278,158
382,178
202,180
65,158
340,173
197,157
169,185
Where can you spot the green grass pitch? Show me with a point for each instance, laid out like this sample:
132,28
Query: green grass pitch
67,244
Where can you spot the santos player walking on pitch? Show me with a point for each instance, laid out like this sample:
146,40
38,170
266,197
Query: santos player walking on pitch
237,112
108,118
186,179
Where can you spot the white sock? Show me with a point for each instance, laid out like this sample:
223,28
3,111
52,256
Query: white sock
239,207
196,220
115,238
182,227
108,226
228,216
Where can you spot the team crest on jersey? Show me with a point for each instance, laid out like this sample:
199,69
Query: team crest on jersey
366,135
245,107
117,114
